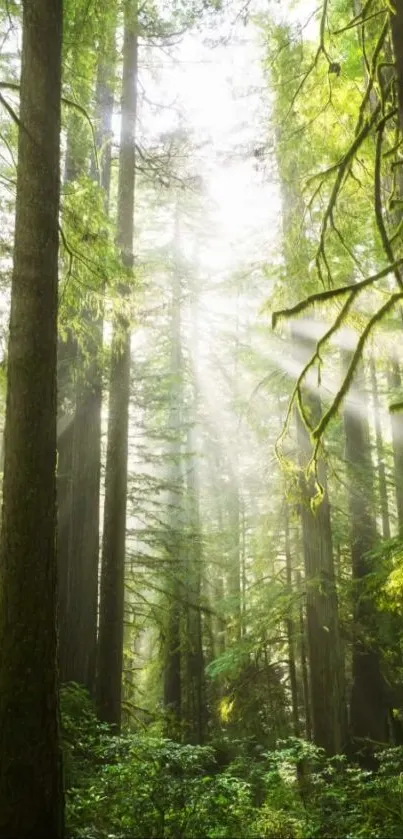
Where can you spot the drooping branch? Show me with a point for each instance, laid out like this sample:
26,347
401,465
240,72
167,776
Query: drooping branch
387,246
320,429
5,85
331,294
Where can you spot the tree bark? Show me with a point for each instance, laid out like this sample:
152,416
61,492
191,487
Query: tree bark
195,681
290,623
327,689
304,664
396,18
31,795
111,614
86,444
173,687
380,454
368,708
395,381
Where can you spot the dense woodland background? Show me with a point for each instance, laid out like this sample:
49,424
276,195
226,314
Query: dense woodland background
201,558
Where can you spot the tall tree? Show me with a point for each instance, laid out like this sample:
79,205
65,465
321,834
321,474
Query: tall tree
380,453
172,653
194,687
394,383
368,707
326,668
111,615
31,796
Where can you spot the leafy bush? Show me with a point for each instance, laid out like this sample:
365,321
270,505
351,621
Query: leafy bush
312,796
145,786
148,787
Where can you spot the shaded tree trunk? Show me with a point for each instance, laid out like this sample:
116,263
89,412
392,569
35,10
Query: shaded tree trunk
395,381
172,657
327,689
290,624
380,454
396,19
31,794
111,610
195,681
66,363
86,450
368,708
304,664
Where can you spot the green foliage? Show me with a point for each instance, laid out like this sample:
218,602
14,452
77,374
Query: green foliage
147,786
333,798
137,786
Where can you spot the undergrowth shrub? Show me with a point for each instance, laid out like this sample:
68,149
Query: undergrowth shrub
146,786
143,786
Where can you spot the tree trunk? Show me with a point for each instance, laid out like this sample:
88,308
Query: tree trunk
368,709
327,690
173,687
111,614
395,381
291,632
380,454
396,18
31,795
86,444
304,664
66,362
195,681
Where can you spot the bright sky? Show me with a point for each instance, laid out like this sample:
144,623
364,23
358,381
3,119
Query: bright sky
220,91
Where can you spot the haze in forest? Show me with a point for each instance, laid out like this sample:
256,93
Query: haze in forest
201,286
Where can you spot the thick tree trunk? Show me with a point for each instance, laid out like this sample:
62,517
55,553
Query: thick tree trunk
86,444
31,795
327,689
111,616
368,709
86,476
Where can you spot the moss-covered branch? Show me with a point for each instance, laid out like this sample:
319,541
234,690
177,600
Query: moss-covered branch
333,293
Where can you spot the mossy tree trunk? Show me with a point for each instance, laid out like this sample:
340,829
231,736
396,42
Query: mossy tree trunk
31,795
86,450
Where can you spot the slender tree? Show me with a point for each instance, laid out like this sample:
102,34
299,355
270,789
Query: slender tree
31,795
380,453
111,615
394,383
175,518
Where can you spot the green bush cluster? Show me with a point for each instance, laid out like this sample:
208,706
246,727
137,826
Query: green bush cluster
144,786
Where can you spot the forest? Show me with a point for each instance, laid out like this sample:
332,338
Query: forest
201,419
